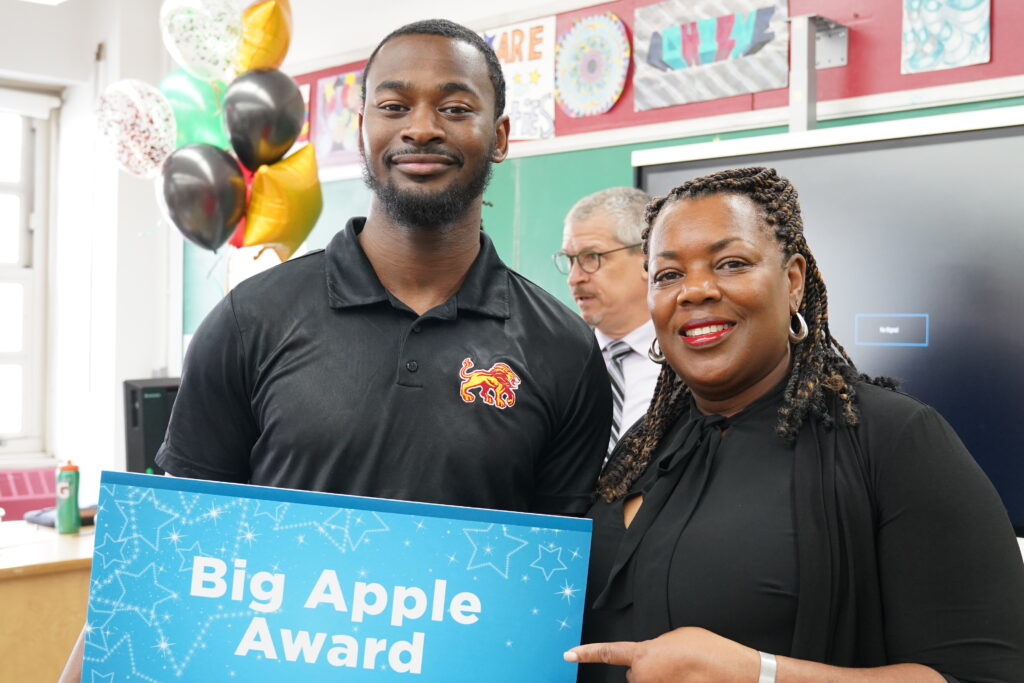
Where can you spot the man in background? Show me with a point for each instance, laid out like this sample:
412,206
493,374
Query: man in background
602,257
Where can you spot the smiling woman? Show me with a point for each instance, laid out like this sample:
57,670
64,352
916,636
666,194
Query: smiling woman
776,512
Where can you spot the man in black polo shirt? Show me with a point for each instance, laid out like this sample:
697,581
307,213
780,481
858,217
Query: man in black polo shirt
405,360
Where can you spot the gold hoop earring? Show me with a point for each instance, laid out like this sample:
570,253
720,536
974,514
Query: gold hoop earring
801,333
655,354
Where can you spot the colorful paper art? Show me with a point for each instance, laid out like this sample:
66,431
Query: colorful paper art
698,50
527,55
945,34
336,128
591,62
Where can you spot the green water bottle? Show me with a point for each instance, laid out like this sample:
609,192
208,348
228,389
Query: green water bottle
68,516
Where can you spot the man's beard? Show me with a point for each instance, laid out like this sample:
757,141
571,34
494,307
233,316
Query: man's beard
425,209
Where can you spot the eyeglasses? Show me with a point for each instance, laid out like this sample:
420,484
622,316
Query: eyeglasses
588,260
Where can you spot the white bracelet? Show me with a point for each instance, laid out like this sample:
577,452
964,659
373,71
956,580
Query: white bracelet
768,666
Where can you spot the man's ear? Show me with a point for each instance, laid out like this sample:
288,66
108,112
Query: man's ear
502,128
359,134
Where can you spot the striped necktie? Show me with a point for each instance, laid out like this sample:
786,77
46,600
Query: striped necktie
617,351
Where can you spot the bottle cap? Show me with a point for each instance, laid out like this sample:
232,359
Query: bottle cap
69,467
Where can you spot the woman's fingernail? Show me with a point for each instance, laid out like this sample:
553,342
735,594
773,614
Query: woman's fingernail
570,656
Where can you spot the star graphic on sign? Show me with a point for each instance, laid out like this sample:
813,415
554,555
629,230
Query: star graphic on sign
275,512
562,624
497,547
549,561
174,536
356,528
146,516
247,534
187,555
96,637
110,550
102,678
163,646
142,593
214,512
568,591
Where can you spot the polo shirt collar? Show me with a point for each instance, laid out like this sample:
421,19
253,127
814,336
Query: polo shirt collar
351,280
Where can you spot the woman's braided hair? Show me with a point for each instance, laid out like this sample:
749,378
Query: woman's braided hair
820,363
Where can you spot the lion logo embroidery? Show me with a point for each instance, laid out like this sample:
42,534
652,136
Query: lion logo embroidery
497,386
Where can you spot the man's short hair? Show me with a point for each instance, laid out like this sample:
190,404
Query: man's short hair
623,205
449,29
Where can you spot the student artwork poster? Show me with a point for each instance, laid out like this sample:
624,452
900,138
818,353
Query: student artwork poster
196,580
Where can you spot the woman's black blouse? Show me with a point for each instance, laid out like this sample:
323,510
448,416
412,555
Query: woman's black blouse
712,545
856,546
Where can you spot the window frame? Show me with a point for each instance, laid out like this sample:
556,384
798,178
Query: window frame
31,272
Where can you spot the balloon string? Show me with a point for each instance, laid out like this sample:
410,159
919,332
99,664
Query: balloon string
216,263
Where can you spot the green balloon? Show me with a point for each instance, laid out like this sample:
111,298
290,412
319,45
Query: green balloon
197,109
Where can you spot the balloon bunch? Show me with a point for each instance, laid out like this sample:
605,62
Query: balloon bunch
184,131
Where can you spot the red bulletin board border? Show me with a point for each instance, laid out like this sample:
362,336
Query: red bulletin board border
873,66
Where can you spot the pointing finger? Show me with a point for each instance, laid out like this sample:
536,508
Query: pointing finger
617,654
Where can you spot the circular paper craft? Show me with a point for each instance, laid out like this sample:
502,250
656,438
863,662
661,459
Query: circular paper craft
591,62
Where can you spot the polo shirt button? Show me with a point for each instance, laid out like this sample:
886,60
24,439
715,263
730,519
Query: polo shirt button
412,366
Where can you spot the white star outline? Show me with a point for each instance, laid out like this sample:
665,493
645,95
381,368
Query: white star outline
542,564
487,550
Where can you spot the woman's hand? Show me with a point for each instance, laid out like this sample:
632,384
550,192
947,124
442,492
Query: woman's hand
696,655
685,655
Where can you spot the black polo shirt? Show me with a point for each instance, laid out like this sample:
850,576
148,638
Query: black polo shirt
313,376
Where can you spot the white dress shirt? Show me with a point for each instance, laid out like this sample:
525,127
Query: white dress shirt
639,371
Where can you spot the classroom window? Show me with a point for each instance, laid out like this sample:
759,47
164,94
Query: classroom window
23,155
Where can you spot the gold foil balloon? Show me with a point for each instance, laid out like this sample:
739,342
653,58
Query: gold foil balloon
285,203
266,33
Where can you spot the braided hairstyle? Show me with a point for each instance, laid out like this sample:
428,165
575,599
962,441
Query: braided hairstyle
819,363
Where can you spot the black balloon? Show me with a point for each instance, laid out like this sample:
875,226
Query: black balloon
264,112
202,192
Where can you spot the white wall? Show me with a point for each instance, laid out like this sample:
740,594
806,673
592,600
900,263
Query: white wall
108,294
45,44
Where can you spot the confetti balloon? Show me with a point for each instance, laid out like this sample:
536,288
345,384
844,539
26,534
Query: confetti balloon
202,35
138,123
266,34
285,204
202,192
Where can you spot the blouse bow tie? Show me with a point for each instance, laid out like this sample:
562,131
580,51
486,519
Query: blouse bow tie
688,455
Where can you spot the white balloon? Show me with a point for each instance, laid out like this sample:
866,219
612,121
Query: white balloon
138,123
202,35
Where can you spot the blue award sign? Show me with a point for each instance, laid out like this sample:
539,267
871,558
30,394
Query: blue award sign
206,581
